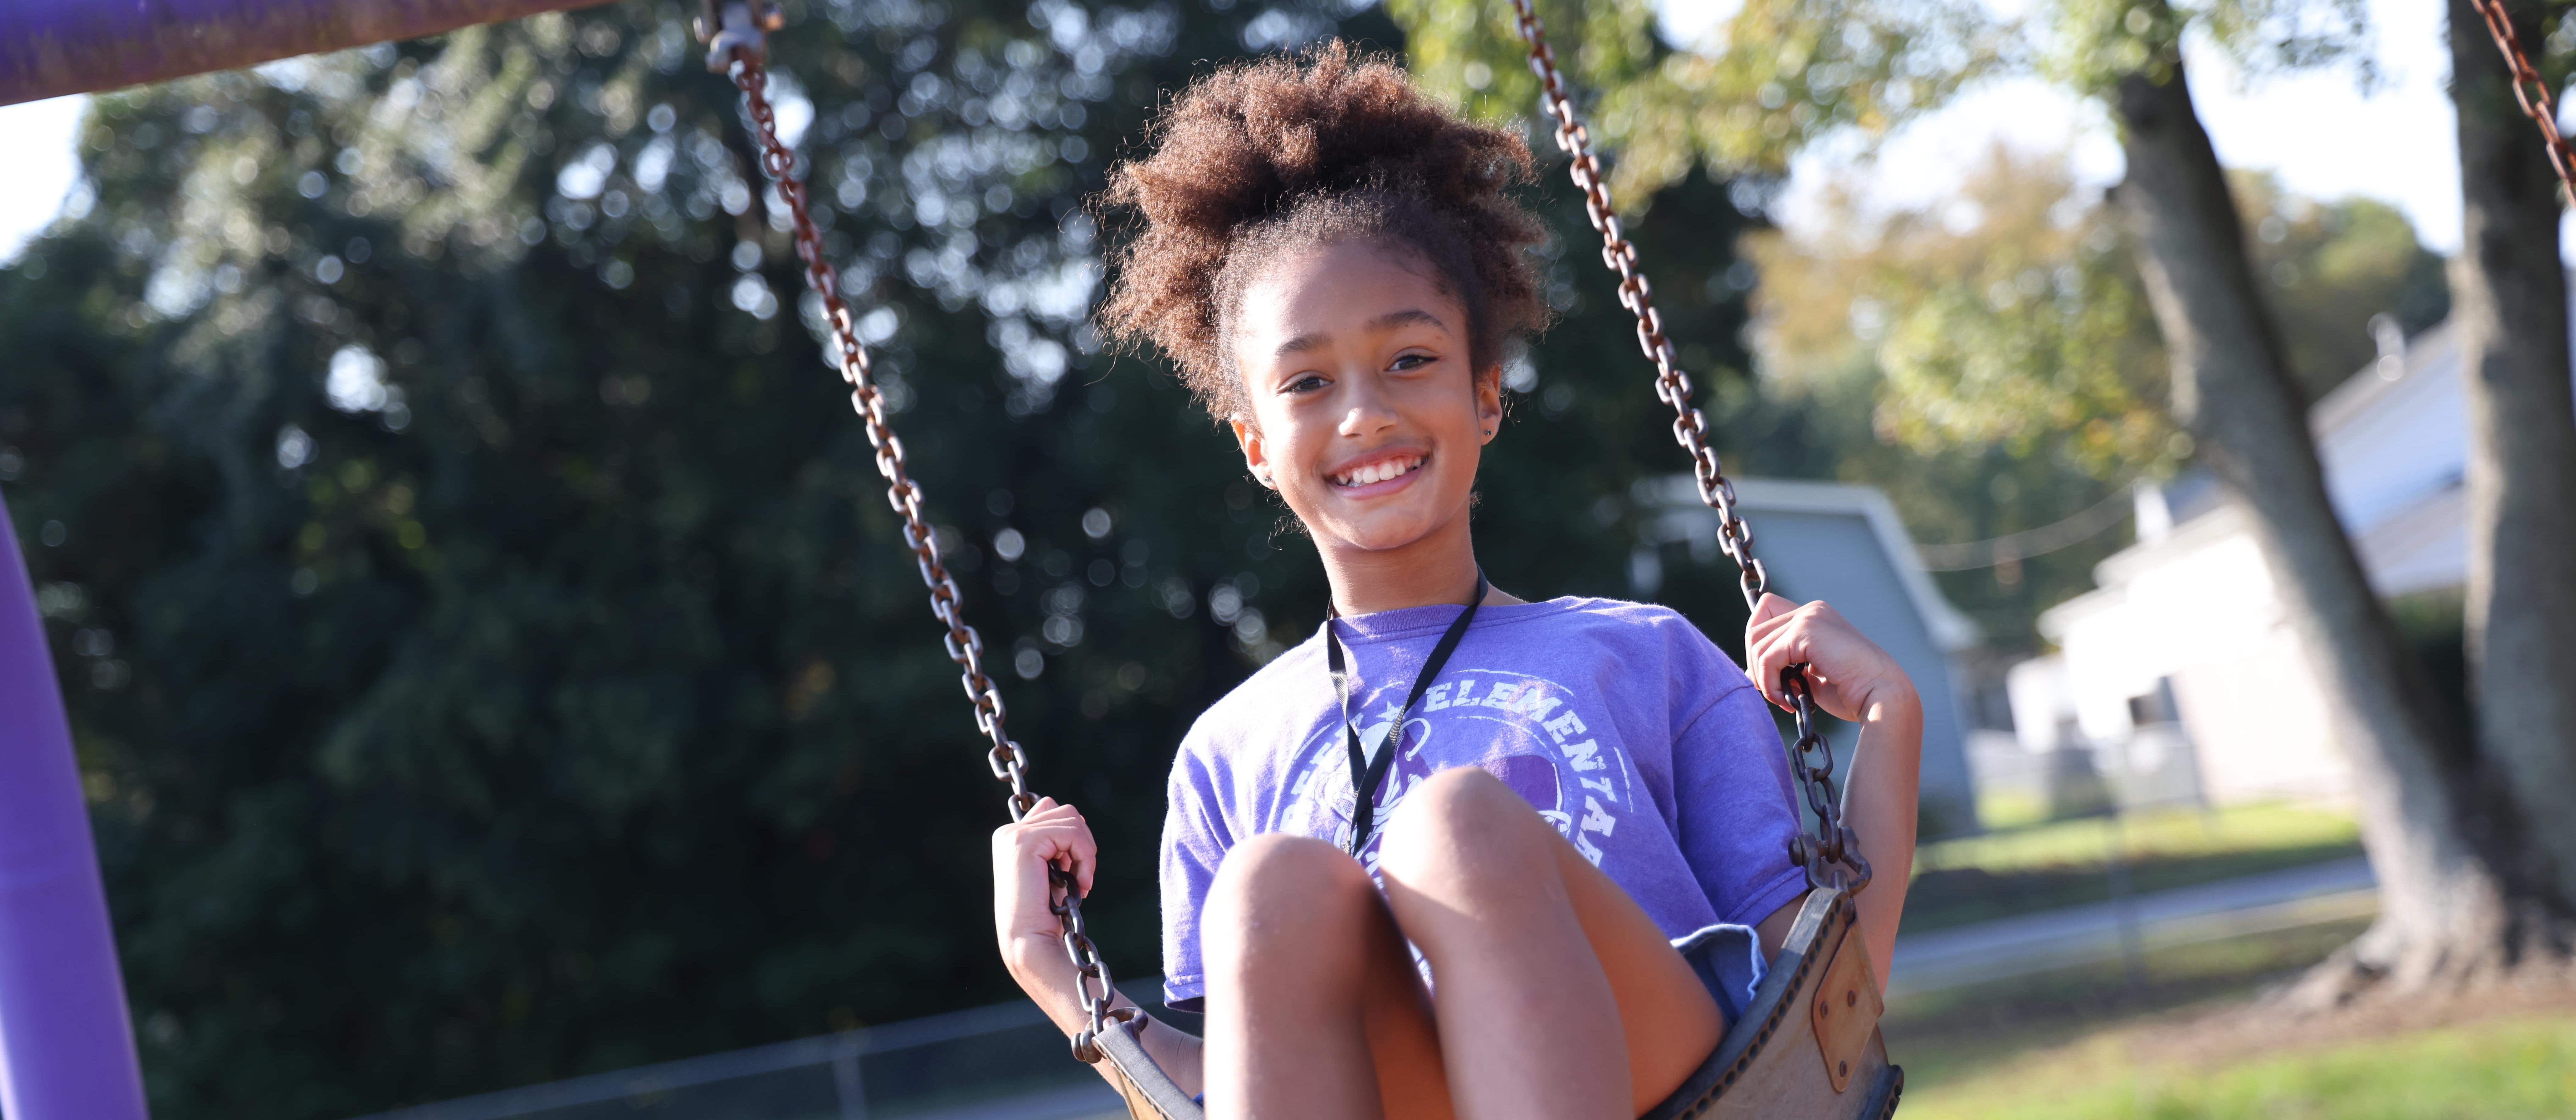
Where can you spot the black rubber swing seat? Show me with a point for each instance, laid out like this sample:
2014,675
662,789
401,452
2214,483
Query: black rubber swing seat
1807,1048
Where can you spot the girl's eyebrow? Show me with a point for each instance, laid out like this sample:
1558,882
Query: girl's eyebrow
1388,321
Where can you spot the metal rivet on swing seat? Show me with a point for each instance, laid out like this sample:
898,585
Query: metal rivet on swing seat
1842,1040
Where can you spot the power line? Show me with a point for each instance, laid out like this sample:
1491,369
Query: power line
2023,545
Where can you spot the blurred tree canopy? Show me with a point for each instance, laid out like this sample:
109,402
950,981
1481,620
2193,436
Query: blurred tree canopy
2332,269
1999,376
1992,364
1989,362
2007,317
490,653
1778,74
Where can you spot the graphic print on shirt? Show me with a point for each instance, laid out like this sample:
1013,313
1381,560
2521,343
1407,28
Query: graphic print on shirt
1528,731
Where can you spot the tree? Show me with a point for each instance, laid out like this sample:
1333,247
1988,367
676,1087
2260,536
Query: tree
2001,363
1781,74
2512,323
490,653
1990,359
2329,270
2444,887
2447,860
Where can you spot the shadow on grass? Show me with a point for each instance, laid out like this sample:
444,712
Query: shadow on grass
1946,1037
2067,863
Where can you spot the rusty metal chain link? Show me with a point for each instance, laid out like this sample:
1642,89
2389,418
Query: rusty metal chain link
2532,91
734,34
1831,853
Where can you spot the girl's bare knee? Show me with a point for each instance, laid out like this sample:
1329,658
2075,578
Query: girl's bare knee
1283,894
1453,811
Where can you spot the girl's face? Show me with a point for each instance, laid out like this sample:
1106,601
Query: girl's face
1366,412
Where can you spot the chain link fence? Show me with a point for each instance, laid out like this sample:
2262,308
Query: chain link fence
1004,1062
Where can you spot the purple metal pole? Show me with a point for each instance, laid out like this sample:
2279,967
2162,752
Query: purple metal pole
66,1046
49,48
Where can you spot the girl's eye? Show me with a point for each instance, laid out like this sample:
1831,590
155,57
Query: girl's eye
1411,361
1305,383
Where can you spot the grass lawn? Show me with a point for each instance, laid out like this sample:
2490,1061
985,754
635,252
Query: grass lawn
2066,863
2480,1071
2175,1042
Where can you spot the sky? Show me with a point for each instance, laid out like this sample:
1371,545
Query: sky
2316,130
40,132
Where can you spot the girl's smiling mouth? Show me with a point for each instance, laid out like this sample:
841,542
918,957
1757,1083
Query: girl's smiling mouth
1380,475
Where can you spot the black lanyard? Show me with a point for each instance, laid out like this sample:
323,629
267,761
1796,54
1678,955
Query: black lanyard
1369,773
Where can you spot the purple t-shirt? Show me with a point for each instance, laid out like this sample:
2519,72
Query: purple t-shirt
1636,737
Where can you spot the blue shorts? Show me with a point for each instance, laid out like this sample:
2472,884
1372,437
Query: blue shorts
1728,959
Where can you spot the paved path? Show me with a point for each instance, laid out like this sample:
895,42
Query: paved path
1995,950
1925,962
2006,947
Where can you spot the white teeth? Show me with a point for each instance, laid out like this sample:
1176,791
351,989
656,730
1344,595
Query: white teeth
1378,472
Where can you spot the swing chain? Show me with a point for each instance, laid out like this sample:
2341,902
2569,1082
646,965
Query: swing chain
1830,854
736,47
2531,90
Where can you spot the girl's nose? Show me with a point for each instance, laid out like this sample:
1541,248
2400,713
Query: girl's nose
1367,411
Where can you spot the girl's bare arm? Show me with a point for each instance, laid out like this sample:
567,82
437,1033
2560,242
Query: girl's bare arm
1056,835
1853,679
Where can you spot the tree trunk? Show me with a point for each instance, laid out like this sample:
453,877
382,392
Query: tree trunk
2509,308
2441,901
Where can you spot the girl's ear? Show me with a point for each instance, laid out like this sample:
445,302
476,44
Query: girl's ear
1489,399
1256,455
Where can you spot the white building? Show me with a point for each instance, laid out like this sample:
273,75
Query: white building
2181,673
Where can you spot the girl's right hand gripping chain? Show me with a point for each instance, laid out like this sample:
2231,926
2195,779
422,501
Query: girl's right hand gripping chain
1052,835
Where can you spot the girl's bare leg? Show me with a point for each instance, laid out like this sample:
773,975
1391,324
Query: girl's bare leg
1314,1008
1557,996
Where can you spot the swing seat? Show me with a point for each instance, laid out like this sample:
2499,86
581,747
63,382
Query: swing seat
1807,1047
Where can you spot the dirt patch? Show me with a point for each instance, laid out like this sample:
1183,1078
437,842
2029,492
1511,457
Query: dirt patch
2192,1007
2234,1031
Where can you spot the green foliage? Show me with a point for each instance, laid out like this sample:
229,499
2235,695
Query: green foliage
2021,372
2097,42
1472,53
576,707
2025,329
1793,71
2331,268
2100,41
1988,362
1783,73
1587,424
490,652
1992,363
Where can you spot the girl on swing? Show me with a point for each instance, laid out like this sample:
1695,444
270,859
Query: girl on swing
1576,812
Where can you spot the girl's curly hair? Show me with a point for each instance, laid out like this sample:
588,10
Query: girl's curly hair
1266,157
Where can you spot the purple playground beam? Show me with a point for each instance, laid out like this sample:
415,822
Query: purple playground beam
66,1046
49,48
